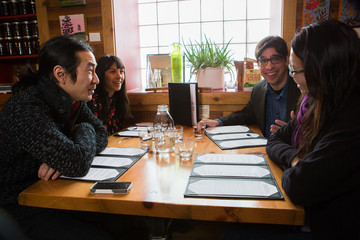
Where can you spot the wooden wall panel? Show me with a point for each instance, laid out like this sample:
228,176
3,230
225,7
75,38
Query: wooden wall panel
144,105
49,25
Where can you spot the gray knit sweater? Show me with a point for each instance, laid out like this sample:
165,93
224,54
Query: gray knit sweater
35,128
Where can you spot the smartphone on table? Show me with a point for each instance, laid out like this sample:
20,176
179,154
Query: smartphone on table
111,187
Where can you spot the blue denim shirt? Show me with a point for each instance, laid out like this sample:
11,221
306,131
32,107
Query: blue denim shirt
275,106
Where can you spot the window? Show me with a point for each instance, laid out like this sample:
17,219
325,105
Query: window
244,22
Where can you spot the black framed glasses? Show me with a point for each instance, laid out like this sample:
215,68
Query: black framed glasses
292,71
276,59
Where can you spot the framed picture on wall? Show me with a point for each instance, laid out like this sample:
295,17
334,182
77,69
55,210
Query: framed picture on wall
66,3
74,25
315,10
349,12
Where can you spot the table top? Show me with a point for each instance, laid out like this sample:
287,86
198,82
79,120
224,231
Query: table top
159,183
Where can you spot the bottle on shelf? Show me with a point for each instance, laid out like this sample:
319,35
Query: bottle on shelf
156,78
164,131
176,64
19,34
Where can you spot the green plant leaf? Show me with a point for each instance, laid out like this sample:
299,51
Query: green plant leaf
208,54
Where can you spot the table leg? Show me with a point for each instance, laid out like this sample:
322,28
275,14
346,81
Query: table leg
158,228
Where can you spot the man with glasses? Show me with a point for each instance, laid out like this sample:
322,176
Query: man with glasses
273,98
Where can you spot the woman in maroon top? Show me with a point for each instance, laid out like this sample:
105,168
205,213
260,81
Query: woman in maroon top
110,102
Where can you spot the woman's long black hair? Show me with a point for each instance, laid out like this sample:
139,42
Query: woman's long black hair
330,53
122,105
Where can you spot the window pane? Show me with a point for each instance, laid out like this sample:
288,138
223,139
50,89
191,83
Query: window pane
145,1
190,11
190,31
257,30
168,34
234,9
168,12
251,51
258,9
235,31
238,51
147,14
166,49
148,36
162,22
211,10
214,31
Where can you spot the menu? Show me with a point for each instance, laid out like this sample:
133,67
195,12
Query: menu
111,163
232,176
237,136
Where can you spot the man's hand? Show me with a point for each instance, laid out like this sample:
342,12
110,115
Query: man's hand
274,128
45,172
209,122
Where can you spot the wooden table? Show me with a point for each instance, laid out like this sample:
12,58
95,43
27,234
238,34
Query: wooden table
159,182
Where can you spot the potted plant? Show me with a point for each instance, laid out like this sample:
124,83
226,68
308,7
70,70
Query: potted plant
208,62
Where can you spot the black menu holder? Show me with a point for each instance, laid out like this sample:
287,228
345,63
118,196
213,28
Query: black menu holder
183,100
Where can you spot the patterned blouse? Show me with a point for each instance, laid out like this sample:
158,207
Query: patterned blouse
113,123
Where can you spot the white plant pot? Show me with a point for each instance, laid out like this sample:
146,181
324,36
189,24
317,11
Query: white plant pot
211,78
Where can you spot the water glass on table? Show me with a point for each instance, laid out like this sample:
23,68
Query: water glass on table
145,140
179,133
150,130
186,148
164,140
199,131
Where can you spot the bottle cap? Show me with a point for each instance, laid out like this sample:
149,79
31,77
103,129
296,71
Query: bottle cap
162,107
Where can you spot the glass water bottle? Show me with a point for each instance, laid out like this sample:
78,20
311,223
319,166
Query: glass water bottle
164,131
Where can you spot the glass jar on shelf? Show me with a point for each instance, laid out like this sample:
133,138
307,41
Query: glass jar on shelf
32,7
34,28
14,7
10,48
2,47
4,8
6,29
16,29
24,7
19,46
25,28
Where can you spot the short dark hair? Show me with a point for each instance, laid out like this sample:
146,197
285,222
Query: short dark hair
61,50
275,42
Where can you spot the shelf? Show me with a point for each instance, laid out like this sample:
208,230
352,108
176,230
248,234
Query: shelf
19,57
12,17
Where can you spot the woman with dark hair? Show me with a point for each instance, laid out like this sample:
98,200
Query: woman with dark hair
319,148
110,102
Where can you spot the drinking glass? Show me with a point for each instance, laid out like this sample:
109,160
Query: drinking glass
186,148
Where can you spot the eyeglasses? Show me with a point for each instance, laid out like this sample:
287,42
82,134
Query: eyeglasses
274,60
292,71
